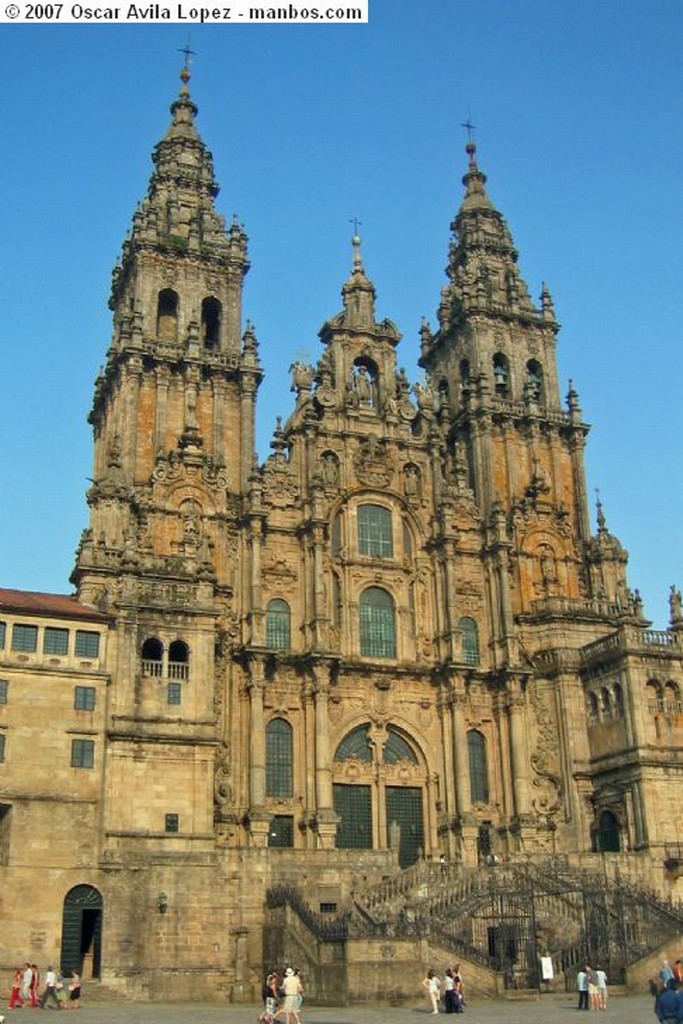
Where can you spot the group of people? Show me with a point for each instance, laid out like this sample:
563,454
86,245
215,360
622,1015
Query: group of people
591,983
58,991
669,993
452,990
282,997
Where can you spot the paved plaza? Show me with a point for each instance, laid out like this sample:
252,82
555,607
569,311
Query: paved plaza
545,1010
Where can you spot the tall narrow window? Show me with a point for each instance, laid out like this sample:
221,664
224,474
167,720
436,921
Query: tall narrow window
501,374
479,775
178,659
2,746
375,535
279,758
377,624
3,629
534,381
82,753
211,323
167,315
278,625
470,640
151,656
84,698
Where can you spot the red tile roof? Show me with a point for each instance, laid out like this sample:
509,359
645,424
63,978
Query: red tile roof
63,606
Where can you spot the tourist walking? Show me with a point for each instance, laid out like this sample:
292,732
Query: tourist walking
50,992
75,991
582,988
291,989
15,1000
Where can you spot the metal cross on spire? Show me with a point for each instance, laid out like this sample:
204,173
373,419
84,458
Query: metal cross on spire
188,53
356,224
469,127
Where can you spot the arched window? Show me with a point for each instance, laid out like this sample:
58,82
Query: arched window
377,624
397,749
479,773
593,709
465,375
501,374
278,630
671,692
152,657
375,535
470,640
211,323
654,694
608,834
534,381
279,758
355,745
167,315
178,660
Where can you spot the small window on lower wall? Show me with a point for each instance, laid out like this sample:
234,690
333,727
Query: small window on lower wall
173,693
172,823
4,685
2,747
82,753
281,833
84,698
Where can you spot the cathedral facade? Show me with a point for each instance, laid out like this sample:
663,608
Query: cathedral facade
396,638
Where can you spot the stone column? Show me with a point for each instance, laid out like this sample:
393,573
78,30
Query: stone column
519,754
326,819
259,820
465,822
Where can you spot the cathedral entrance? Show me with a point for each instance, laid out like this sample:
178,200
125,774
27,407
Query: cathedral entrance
404,807
82,931
379,787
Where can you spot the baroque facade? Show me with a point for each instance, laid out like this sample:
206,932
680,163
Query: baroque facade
396,638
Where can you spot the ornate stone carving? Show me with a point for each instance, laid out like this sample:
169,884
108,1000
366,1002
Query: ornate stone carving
372,464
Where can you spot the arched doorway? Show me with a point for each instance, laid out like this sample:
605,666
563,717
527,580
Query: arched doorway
379,784
82,931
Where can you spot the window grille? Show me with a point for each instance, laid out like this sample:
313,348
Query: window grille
82,753
87,644
375,535
174,693
55,641
479,782
355,745
281,831
84,698
278,631
470,640
172,823
25,638
279,758
377,624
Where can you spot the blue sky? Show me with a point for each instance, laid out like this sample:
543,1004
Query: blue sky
579,129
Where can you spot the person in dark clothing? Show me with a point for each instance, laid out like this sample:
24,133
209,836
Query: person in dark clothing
669,1005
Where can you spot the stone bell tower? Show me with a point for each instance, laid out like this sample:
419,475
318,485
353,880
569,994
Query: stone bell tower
173,412
493,361
173,422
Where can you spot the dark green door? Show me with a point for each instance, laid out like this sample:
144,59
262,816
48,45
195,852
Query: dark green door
404,806
82,930
353,805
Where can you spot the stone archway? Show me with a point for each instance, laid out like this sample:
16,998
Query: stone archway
82,931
